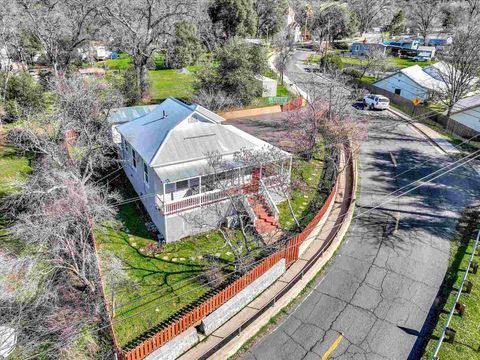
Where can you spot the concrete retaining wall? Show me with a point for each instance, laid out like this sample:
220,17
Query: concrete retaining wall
252,112
239,301
176,347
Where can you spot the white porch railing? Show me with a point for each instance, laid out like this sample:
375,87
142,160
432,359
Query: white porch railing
249,209
194,201
268,197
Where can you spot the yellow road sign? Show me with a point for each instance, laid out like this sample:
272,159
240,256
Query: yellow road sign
416,101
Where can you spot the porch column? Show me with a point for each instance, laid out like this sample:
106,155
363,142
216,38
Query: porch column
163,184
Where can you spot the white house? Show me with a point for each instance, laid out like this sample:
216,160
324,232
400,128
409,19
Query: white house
467,112
412,82
168,156
125,114
292,26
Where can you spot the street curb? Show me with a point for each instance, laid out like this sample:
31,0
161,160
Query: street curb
410,122
233,346
245,335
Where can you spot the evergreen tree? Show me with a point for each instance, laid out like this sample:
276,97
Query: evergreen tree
236,17
397,25
187,47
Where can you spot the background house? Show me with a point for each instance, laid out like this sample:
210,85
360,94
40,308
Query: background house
364,48
292,26
167,157
411,82
467,112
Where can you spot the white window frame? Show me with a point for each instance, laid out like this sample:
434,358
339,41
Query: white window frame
145,173
134,158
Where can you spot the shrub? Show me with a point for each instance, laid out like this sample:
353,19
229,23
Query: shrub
332,62
354,73
340,45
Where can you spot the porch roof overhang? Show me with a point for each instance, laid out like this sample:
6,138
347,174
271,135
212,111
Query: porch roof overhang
201,167
188,170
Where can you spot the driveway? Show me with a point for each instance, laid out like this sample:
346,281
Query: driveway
381,286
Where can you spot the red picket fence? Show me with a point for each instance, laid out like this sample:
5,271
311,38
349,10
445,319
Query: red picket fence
289,252
295,104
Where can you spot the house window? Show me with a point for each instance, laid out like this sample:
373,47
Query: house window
182,185
398,91
145,172
134,159
170,188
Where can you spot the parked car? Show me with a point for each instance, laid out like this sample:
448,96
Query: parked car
420,58
376,102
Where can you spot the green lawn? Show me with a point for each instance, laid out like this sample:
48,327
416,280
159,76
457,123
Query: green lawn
13,168
467,341
171,82
121,63
160,284
403,63
395,61
304,201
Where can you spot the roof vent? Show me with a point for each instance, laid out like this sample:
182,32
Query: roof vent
164,116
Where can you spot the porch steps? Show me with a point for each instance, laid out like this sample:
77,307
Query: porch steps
265,223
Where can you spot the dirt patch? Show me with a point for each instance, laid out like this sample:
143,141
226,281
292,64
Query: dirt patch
270,128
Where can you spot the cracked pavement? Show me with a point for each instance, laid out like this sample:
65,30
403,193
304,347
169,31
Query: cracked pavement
381,286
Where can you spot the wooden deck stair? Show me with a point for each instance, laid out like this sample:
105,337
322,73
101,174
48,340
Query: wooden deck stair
265,222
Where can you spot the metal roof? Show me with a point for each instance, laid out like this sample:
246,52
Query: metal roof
147,133
176,138
191,169
126,114
193,141
466,103
423,78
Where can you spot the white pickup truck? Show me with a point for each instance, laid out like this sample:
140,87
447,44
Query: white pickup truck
376,102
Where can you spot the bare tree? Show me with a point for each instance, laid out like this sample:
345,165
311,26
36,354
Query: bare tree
61,27
424,15
368,11
374,61
216,100
142,27
459,66
52,214
473,8
284,44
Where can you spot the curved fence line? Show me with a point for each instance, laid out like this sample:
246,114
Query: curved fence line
191,317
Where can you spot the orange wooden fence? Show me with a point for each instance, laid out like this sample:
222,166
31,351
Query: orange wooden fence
289,252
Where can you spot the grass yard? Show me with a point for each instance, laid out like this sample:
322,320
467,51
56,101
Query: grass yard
13,168
158,285
467,341
403,63
304,201
171,82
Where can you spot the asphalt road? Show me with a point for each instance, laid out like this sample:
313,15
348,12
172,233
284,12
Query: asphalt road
381,286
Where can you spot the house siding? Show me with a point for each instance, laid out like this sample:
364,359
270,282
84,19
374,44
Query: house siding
469,118
408,88
144,190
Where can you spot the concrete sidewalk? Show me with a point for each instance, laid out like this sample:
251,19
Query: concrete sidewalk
439,140
329,236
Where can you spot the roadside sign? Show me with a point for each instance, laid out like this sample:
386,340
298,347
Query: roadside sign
278,100
416,101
